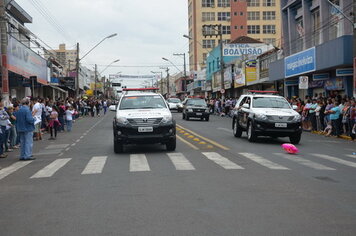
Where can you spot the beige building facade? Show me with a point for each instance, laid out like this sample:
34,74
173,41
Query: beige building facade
66,57
258,19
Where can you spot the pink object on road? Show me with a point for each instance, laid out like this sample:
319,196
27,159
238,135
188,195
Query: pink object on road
290,148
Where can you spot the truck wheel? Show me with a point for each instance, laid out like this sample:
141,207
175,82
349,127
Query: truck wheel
251,135
236,129
183,116
171,145
186,117
207,118
118,147
295,139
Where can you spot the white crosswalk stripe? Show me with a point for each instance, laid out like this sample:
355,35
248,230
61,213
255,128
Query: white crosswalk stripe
222,161
11,169
95,165
180,161
335,159
304,162
138,162
264,162
51,169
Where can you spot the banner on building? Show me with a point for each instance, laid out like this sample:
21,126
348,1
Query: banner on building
216,81
239,75
23,61
241,49
334,84
300,63
251,72
99,85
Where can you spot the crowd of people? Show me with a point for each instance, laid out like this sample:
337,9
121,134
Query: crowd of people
25,121
334,115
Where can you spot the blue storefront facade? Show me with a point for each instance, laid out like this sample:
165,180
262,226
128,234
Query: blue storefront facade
328,67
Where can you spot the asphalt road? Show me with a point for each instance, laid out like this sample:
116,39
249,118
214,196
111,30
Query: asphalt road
213,184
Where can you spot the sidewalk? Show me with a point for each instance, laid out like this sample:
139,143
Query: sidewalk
341,136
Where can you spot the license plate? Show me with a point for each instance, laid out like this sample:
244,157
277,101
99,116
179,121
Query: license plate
280,125
199,114
145,129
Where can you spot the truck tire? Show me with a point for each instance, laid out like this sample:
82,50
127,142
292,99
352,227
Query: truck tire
171,145
236,129
118,147
251,135
295,139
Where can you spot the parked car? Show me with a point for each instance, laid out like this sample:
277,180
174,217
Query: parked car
262,114
195,107
175,104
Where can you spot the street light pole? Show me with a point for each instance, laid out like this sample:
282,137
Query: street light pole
167,70
95,79
79,59
185,70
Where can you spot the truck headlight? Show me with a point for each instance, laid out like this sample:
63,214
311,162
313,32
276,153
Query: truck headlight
190,110
167,119
207,111
260,116
122,120
297,118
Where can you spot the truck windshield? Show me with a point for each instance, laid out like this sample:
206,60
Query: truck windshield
174,100
142,102
270,102
196,102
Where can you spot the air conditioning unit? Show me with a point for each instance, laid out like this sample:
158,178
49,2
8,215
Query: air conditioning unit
212,6
228,18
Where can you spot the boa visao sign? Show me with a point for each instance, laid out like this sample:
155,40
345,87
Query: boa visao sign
300,63
240,49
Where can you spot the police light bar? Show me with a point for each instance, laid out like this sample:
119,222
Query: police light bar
140,89
262,92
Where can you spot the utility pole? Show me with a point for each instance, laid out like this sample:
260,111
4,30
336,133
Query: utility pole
185,70
95,79
167,70
217,33
4,70
77,73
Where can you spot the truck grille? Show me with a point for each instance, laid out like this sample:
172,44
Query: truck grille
144,122
280,118
198,110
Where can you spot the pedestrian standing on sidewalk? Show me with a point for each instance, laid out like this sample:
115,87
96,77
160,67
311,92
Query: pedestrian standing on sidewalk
334,117
60,116
25,125
12,135
54,123
37,115
105,106
3,122
353,119
69,118
97,106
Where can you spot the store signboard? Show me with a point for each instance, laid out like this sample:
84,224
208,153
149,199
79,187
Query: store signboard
300,63
23,61
241,49
345,72
251,73
323,76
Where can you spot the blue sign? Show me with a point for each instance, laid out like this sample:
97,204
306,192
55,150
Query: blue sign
300,63
54,81
322,76
345,72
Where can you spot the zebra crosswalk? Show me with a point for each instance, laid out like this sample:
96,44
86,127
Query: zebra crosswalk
233,162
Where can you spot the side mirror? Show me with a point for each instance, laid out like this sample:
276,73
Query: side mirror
295,107
246,105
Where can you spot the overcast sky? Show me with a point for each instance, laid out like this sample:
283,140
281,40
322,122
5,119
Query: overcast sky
147,31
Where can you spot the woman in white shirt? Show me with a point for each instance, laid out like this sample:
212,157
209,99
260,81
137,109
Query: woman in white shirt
69,118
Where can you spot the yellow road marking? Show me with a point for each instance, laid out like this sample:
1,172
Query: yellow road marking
188,143
191,136
202,143
209,140
182,132
186,134
210,146
196,139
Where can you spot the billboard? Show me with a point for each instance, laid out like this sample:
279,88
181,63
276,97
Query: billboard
240,49
251,72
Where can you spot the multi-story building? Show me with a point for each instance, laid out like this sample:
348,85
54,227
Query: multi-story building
317,44
66,57
258,19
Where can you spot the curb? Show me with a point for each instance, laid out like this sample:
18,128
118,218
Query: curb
345,137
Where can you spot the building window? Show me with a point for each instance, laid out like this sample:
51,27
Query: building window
207,3
208,30
253,3
208,16
298,45
235,13
316,27
269,29
223,3
269,3
241,27
269,41
205,56
225,41
236,27
223,16
226,29
269,15
253,15
208,43
335,22
253,29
